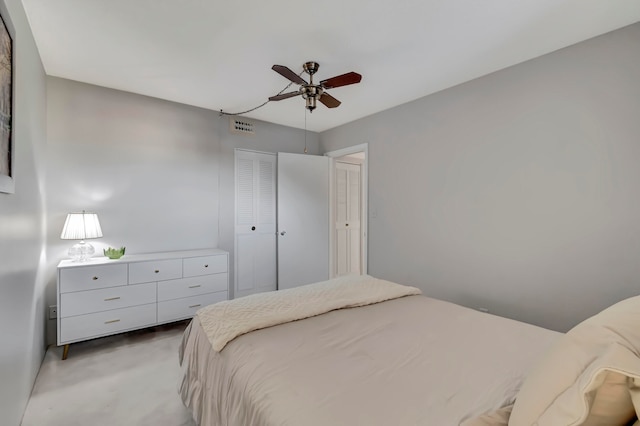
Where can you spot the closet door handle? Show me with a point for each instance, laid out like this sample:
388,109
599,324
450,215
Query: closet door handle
253,228
283,232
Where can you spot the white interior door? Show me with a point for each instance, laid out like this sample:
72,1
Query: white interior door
255,232
303,219
357,154
348,195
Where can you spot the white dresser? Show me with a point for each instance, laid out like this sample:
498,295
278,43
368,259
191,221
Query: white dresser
103,296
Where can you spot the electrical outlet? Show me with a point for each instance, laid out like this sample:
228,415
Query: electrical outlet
53,312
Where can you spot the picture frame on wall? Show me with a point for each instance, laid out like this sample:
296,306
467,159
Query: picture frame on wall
7,134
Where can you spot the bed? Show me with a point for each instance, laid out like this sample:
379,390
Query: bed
362,351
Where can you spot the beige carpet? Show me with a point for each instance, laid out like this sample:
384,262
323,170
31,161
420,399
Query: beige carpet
128,379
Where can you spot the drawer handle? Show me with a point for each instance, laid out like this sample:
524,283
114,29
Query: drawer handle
112,321
156,271
112,298
195,306
194,286
94,278
206,266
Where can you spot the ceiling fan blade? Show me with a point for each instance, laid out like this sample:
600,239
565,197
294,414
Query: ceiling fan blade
284,96
329,101
341,80
288,74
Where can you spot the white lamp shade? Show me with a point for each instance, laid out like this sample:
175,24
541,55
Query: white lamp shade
81,226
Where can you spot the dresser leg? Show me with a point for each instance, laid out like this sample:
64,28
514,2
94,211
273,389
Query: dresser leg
65,352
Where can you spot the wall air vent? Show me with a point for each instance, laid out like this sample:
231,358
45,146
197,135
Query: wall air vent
241,125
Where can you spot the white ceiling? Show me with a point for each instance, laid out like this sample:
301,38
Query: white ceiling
218,54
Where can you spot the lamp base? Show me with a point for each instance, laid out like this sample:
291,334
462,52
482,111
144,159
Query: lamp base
81,252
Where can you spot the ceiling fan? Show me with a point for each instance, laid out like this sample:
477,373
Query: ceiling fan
314,92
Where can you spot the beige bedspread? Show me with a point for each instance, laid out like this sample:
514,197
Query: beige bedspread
224,321
407,361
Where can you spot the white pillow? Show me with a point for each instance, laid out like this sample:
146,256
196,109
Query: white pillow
588,377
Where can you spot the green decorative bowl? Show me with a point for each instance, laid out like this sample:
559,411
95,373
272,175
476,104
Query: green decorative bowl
113,253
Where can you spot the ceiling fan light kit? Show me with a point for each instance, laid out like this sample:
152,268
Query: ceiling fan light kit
311,92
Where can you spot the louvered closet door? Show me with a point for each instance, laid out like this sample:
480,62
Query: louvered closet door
347,215
255,230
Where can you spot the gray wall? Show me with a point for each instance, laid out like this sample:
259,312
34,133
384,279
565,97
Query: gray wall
148,167
159,174
517,191
22,230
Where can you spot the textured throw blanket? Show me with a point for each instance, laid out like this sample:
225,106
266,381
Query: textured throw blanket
224,321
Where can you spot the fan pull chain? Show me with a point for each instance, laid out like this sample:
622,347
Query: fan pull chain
305,130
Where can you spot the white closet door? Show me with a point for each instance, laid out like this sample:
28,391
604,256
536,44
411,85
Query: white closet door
347,216
303,219
255,229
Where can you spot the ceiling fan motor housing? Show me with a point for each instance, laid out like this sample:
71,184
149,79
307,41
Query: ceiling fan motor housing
311,93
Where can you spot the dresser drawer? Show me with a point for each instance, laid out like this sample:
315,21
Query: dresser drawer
204,265
84,327
192,286
85,302
92,277
155,270
173,310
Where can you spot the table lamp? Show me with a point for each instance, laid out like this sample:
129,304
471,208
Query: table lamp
81,226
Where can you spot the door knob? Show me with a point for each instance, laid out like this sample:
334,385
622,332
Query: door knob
283,232
253,228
